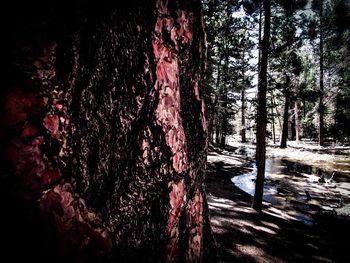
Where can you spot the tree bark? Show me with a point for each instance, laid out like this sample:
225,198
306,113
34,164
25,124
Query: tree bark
284,135
259,37
273,120
243,130
103,133
223,134
218,130
217,121
297,122
261,114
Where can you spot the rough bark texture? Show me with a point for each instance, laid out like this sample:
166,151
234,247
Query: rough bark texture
262,113
103,132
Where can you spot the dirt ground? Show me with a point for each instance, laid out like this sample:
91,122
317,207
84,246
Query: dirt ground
243,235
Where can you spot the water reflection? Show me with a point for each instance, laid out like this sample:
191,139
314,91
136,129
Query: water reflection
302,189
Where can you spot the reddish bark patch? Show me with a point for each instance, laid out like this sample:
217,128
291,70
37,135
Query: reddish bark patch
50,175
177,199
167,84
74,223
12,154
194,222
17,105
185,30
30,164
59,106
51,123
29,131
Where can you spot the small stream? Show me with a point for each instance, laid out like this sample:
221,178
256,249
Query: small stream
300,189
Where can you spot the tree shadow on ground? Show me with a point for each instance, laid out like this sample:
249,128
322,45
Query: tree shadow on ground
243,235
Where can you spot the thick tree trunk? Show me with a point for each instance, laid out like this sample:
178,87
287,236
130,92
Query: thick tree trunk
262,115
103,133
284,135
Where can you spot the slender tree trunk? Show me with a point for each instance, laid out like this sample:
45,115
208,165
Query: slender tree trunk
223,134
336,114
243,130
217,121
259,37
321,106
277,112
224,124
218,131
212,125
261,114
273,120
297,121
284,135
291,132
103,133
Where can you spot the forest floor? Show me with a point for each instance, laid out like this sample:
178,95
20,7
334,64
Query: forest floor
244,235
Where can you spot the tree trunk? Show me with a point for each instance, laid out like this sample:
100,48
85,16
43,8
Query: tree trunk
321,106
243,130
291,132
259,37
261,114
284,135
297,122
224,123
224,126
217,121
277,113
273,120
212,121
218,131
103,133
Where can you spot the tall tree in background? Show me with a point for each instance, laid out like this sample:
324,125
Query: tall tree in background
244,50
286,64
230,49
317,7
339,49
103,132
261,111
